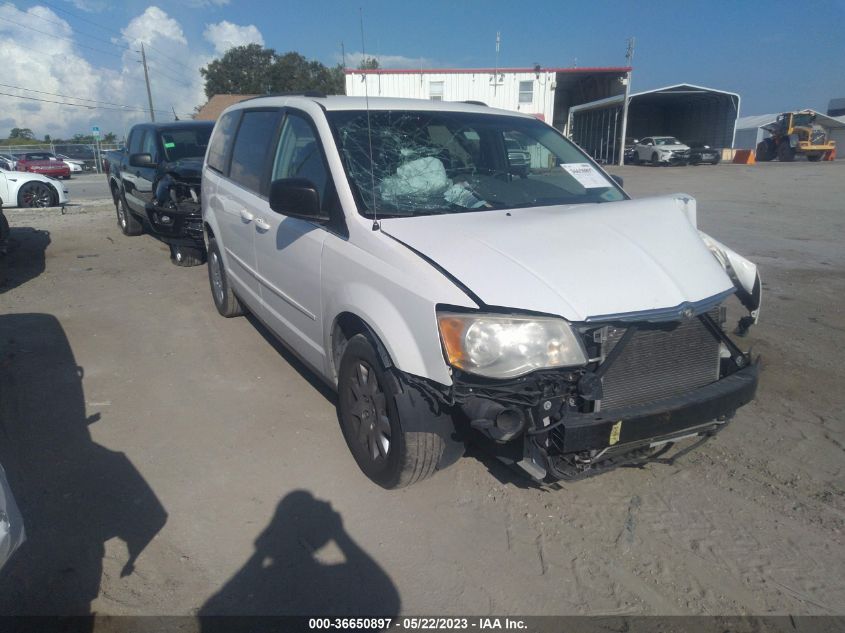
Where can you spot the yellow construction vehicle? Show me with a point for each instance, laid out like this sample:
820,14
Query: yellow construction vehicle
793,134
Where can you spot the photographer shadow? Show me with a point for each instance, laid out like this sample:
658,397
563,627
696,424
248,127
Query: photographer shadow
74,494
305,563
23,256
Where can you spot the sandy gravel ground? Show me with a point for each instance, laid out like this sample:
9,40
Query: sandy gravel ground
137,425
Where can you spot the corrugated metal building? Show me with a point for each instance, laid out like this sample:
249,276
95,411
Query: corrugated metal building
546,93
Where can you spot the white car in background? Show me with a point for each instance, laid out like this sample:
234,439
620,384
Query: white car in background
661,150
76,166
26,189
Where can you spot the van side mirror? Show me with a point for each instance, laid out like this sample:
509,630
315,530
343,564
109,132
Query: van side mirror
141,160
297,198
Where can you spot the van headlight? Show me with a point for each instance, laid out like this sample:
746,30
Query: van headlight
500,346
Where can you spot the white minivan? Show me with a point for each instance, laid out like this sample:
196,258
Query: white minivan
449,295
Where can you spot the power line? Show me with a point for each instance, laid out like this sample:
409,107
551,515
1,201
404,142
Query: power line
56,94
105,28
75,42
61,37
85,105
62,24
158,70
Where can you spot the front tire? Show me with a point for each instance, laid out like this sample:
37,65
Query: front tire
128,223
384,448
36,195
786,154
225,300
655,160
765,151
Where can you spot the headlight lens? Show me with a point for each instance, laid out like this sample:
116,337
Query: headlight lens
500,346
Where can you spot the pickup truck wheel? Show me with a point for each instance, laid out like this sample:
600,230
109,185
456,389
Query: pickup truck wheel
128,223
383,447
36,194
186,256
226,301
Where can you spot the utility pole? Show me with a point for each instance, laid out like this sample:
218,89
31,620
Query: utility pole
629,59
496,69
147,78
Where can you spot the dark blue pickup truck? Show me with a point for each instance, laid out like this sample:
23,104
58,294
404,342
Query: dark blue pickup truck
155,184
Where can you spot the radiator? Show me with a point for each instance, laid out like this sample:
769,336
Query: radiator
658,362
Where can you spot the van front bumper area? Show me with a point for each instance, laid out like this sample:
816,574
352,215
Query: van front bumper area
581,442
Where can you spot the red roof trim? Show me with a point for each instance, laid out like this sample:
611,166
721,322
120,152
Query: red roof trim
482,71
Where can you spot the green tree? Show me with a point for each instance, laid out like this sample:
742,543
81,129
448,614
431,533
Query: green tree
368,63
47,138
252,69
110,137
241,70
21,132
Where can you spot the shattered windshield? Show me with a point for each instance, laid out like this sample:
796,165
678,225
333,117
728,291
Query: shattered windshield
185,142
448,162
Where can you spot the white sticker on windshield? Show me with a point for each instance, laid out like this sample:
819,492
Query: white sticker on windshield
587,175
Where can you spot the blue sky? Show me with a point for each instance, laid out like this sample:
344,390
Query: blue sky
777,55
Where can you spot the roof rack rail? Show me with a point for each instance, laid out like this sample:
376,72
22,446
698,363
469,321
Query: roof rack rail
316,94
473,102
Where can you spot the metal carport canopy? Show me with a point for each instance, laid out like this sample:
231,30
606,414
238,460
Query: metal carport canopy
688,111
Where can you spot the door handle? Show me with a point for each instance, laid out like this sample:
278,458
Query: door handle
261,225
246,216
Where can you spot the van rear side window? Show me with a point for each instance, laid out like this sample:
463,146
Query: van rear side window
253,148
221,143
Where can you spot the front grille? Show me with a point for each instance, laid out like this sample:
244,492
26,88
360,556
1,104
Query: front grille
659,361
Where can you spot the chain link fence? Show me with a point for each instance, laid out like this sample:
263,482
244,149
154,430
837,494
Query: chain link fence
87,153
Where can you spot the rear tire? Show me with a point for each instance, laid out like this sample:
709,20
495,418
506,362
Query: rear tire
368,408
186,256
225,300
128,223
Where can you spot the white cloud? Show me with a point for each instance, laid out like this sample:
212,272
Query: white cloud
203,4
90,6
56,65
387,61
225,35
153,24
31,60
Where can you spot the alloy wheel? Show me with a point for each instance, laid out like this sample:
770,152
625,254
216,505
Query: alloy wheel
370,424
217,278
36,194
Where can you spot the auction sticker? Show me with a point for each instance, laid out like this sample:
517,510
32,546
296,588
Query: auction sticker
587,175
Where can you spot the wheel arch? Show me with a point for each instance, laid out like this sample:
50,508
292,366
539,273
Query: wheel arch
346,325
54,193
406,339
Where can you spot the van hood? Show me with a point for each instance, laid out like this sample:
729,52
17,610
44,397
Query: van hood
627,259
